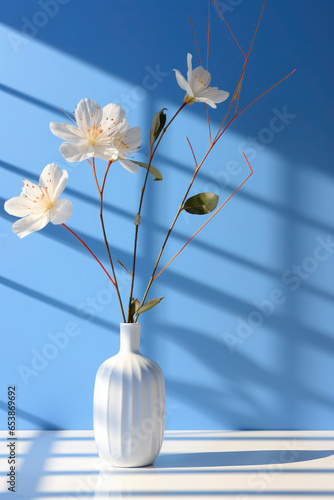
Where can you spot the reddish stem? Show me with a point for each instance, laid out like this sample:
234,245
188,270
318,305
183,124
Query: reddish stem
152,153
192,152
89,250
236,41
208,43
105,176
105,234
200,229
95,176
199,54
250,104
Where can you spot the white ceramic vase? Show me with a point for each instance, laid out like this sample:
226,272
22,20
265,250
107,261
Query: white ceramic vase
129,405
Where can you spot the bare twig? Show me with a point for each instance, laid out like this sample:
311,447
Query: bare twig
215,213
199,54
234,38
141,203
192,152
105,234
90,251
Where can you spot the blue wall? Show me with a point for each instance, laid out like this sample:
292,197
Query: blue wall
272,241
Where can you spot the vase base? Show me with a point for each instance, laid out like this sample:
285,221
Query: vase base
113,466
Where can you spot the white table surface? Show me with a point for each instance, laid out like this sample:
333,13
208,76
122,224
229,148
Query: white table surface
192,464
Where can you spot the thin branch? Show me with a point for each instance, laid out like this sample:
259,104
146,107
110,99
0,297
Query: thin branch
209,124
102,191
250,104
173,224
121,264
192,152
249,51
237,103
141,203
239,84
221,126
207,68
199,54
105,234
208,43
257,27
105,175
95,177
110,259
234,38
89,250
215,213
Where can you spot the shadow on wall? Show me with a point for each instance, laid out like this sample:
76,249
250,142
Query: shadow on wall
238,373
38,422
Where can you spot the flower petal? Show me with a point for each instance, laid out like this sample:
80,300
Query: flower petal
76,152
33,194
129,165
113,114
132,139
61,211
105,152
30,224
206,100
18,206
88,114
190,66
214,94
61,184
66,132
200,79
183,82
121,128
53,180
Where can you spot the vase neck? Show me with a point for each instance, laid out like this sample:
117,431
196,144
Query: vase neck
130,337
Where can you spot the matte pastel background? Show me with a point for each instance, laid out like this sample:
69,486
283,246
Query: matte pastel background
274,375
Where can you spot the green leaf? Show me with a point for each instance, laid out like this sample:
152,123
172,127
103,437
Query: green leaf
133,308
202,203
137,220
154,171
158,123
148,305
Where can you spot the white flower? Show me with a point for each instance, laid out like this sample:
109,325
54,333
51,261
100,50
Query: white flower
99,133
39,205
197,86
127,143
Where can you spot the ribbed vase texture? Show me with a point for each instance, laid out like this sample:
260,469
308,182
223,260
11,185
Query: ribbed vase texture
129,405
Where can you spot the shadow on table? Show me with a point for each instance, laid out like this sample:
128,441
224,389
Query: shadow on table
237,458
